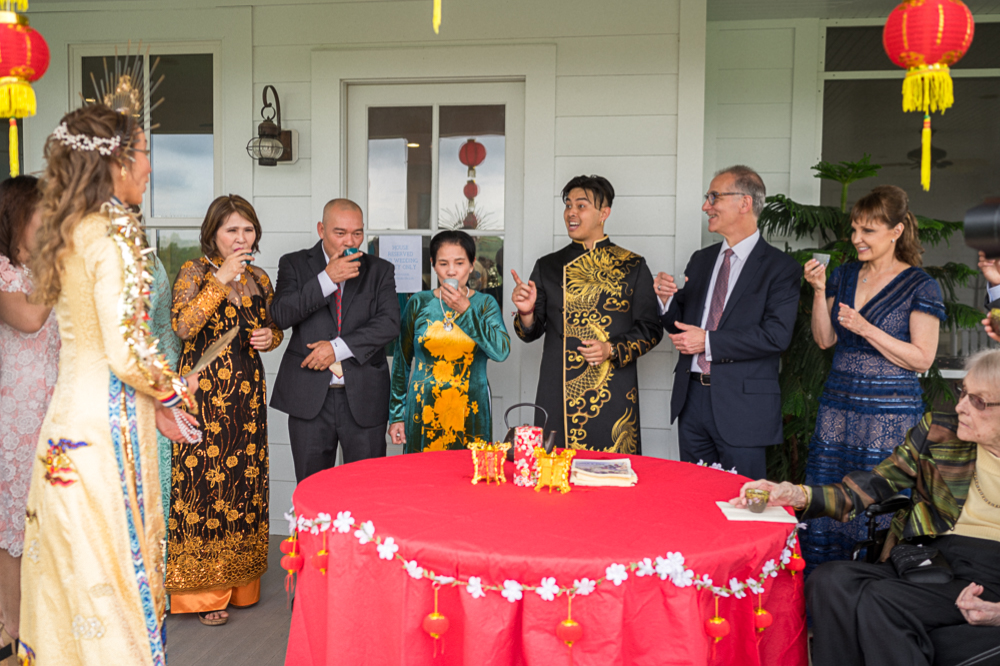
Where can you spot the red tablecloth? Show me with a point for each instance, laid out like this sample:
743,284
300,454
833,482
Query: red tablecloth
368,610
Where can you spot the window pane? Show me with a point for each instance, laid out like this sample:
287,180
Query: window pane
866,116
458,126
182,147
399,167
182,152
487,274
175,246
860,49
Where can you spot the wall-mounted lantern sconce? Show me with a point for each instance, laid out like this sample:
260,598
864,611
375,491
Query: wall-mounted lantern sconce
272,144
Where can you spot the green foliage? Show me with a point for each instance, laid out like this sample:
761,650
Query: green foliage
804,366
846,173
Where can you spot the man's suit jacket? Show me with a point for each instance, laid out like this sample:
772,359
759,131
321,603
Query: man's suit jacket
755,328
370,314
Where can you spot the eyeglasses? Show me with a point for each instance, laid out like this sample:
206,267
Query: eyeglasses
974,399
712,196
144,151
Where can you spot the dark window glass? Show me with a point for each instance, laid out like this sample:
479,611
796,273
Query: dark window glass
859,49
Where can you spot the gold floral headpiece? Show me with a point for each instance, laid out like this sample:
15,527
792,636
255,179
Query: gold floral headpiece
123,89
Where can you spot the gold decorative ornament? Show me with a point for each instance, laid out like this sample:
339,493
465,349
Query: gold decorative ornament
488,460
553,469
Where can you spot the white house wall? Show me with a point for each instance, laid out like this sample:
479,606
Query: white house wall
762,103
616,107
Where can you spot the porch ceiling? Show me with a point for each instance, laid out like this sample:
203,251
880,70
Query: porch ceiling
742,10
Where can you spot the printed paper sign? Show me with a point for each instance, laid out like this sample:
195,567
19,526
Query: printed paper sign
406,254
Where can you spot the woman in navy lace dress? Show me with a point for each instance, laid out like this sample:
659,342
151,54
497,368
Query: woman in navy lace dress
883,313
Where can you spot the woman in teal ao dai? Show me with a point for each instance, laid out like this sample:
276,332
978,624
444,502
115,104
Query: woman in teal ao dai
440,393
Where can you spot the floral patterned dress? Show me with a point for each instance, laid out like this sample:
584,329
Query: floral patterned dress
445,400
28,368
218,522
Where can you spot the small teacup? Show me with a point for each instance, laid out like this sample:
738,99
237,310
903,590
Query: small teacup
757,499
822,258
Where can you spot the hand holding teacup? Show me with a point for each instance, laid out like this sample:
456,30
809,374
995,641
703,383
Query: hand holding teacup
779,494
815,271
453,297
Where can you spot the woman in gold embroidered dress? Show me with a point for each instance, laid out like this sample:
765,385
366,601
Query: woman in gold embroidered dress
219,505
92,572
445,402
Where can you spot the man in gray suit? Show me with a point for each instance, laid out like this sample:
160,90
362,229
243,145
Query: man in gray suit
334,379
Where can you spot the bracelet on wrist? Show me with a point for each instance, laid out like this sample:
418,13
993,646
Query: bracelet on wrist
171,401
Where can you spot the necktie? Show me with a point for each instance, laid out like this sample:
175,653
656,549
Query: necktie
716,307
336,296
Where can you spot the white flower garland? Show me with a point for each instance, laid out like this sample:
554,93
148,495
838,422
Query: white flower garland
715,465
82,142
670,567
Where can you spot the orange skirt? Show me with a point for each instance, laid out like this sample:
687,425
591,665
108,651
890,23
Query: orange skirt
216,600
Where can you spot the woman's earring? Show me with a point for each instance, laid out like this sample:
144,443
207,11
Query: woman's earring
125,171
893,240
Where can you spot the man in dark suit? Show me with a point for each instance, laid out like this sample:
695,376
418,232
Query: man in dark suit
334,379
731,322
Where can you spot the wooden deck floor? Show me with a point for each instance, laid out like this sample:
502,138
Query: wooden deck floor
257,635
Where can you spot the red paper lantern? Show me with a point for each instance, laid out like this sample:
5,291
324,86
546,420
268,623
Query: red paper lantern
796,564
569,631
287,546
320,560
925,37
436,624
24,57
717,627
292,562
471,190
762,619
472,153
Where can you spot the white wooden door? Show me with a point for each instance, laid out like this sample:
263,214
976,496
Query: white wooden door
405,171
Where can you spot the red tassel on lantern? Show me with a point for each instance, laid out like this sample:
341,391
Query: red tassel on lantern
796,564
320,559
292,563
569,630
435,623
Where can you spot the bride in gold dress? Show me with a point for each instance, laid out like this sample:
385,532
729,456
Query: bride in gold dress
93,557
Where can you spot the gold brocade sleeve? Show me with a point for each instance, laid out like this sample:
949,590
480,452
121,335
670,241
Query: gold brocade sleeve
265,285
197,294
104,261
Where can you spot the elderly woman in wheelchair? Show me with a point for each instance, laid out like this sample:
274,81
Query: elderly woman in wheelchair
933,597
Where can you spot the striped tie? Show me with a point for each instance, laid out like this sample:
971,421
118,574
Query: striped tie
716,307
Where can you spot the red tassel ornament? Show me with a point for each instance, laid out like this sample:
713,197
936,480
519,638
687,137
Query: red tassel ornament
435,623
569,630
292,563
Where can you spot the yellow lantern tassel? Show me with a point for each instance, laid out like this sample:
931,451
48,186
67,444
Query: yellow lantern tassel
928,89
436,21
925,156
15,166
17,99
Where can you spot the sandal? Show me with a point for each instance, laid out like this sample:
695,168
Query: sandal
212,622
8,651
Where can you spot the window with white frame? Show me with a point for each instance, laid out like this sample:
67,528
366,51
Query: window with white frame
183,141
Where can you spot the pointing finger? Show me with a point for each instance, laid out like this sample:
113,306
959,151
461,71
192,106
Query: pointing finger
517,280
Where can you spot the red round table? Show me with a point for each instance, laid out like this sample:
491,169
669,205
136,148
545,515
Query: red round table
368,609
